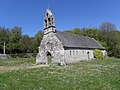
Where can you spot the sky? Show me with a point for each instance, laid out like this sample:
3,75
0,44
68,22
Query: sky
69,14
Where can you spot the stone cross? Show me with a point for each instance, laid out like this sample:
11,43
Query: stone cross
4,49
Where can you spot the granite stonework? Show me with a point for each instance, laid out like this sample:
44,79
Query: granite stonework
51,44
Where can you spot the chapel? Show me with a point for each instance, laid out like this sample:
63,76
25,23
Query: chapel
62,48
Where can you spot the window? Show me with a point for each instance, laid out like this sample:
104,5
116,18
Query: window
83,52
52,21
73,52
87,52
70,52
76,52
49,21
45,22
88,55
47,14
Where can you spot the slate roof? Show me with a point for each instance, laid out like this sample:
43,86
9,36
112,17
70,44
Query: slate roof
77,41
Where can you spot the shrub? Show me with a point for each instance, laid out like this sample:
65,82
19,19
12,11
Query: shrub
23,55
98,54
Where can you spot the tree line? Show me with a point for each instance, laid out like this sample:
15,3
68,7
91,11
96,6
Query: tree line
16,42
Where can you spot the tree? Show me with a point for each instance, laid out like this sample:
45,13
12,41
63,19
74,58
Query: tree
91,32
15,35
114,43
108,34
74,31
25,43
36,40
4,37
107,27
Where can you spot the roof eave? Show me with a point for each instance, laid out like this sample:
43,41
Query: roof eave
68,47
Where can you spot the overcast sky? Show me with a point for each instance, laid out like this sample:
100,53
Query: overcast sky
69,14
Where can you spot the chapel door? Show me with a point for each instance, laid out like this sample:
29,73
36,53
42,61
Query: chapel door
49,58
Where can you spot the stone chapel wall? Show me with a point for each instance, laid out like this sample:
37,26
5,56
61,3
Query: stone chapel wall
76,55
50,43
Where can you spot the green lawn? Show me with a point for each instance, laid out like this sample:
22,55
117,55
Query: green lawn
16,74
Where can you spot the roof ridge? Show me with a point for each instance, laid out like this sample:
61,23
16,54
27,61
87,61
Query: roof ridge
73,34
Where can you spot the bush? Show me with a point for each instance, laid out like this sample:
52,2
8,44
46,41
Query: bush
23,55
98,54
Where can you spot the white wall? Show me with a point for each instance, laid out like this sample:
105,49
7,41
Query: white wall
104,53
76,55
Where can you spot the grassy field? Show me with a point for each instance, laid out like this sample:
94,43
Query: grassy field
20,74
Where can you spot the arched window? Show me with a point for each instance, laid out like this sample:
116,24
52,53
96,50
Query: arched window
52,21
47,14
45,23
49,21
88,52
88,55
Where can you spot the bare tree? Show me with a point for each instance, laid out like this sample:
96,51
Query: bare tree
107,27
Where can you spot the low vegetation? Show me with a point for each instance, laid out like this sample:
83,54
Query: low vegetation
98,54
88,75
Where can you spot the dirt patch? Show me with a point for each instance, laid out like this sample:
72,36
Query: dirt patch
9,68
37,66
12,68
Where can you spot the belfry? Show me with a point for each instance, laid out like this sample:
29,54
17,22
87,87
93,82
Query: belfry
49,22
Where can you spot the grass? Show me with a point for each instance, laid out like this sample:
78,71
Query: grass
93,75
15,64
16,61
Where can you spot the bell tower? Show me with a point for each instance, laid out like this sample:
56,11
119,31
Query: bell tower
49,22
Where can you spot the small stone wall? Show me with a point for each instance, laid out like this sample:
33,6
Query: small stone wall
4,56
